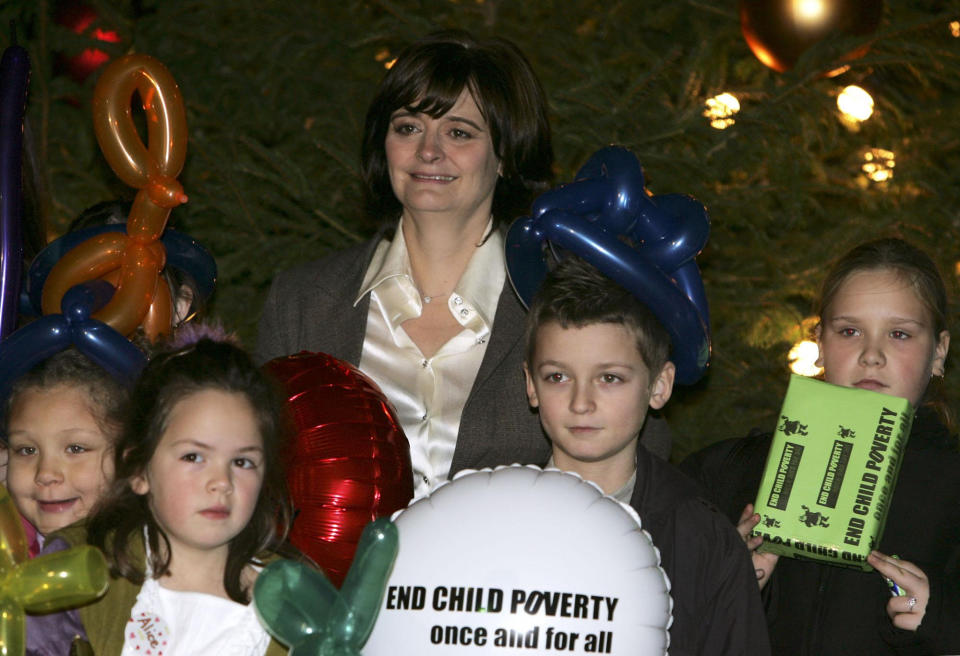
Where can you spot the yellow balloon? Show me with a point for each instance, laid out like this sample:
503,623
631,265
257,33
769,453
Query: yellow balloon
61,579
11,627
46,583
13,541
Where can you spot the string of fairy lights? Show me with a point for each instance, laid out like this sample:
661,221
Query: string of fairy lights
855,105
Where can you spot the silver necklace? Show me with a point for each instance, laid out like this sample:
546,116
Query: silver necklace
427,299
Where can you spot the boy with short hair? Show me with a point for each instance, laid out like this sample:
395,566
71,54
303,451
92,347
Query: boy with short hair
596,359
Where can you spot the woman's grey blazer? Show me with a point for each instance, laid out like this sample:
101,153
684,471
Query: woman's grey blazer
310,308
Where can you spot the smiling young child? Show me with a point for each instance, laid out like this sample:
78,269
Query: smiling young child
62,419
596,360
199,500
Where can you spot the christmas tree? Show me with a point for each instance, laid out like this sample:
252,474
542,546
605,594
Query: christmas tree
276,94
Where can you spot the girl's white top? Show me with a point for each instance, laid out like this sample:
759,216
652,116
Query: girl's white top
174,622
165,622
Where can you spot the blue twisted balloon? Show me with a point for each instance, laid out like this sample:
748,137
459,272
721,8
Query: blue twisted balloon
48,335
588,217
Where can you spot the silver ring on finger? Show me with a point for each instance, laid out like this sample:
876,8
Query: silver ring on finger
911,602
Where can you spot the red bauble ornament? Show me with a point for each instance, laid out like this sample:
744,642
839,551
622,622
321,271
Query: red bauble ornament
778,31
78,17
350,461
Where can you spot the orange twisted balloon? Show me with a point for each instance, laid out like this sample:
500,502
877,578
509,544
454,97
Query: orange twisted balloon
132,261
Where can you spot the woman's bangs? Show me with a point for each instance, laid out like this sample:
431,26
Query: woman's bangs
442,88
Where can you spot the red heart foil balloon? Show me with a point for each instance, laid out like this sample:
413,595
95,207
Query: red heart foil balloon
350,461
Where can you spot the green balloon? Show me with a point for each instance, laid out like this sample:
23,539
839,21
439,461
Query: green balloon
289,596
365,583
303,610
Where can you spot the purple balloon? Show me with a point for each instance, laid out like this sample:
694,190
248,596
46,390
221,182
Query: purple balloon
589,217
14,73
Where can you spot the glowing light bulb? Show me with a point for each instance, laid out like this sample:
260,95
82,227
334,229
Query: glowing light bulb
855,103
383,55
810,12
803,357
878,164
720,108
955,29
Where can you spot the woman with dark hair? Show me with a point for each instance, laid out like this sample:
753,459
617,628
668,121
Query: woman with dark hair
456,144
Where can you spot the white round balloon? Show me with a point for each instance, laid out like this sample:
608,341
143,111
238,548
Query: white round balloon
519,558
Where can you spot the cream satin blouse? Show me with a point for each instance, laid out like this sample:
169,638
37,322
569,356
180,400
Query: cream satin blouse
428,393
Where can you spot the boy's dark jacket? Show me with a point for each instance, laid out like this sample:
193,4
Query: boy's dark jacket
717,608
103,621
819,609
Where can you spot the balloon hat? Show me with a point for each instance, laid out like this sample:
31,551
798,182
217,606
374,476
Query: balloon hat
183,253
137,256
76,327
647,244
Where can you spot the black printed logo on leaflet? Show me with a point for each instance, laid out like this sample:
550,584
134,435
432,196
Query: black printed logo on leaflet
785,476
814,518
846,433
791,427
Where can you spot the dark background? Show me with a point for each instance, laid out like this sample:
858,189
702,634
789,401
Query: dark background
276,92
